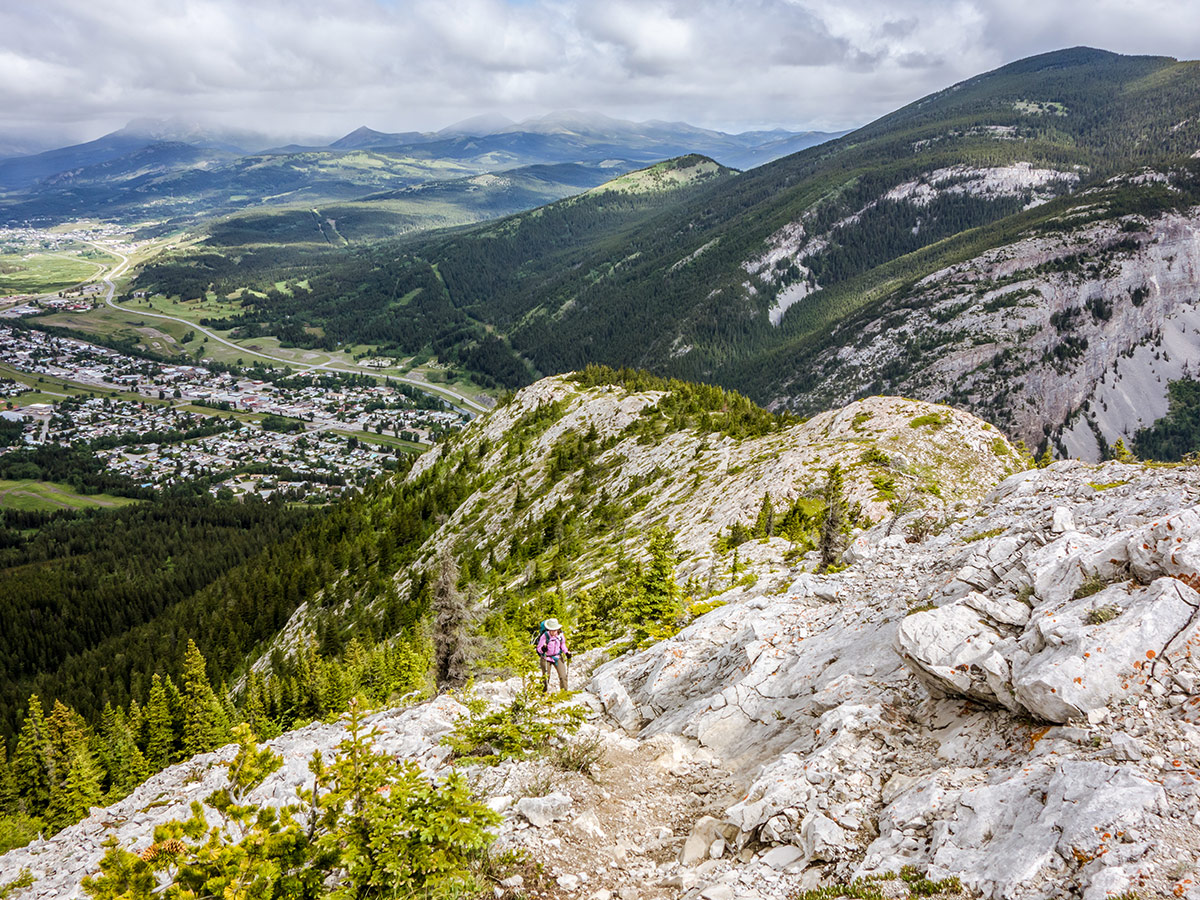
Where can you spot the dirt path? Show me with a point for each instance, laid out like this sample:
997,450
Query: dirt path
627,823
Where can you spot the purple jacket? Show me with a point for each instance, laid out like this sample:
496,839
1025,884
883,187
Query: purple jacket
551,645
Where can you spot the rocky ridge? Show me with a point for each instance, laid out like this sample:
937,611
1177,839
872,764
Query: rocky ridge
964,704
697,483
997,688
920,708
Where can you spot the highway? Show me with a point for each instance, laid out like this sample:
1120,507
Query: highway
462,402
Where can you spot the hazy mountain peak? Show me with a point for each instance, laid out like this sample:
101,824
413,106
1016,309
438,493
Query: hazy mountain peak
573,120
477,126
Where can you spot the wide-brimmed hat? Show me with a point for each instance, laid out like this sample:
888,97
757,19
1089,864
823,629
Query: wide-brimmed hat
553,625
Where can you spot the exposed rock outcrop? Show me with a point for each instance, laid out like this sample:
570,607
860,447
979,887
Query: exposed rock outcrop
960,704
1076,329
998,688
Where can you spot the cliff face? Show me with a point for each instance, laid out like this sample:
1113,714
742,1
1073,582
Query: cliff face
1073,332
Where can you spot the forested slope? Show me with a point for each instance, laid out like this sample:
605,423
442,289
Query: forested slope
739,280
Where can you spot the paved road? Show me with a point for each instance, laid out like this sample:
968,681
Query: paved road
466,404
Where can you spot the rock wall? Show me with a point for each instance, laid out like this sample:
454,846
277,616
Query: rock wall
1071,333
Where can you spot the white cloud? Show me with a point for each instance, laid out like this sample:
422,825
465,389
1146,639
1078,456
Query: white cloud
325,66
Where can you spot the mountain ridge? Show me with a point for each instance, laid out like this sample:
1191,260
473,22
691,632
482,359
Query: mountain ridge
227,170
742,282
896,716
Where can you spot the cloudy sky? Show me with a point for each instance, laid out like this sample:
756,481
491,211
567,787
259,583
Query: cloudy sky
79,68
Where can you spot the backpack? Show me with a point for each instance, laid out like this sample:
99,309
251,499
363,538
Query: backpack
537,635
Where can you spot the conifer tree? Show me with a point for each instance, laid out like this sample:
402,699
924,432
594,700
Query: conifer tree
254,709
764,526
590,628
31,760
175,706
658,582
204,723
451,643
8,785
123,763
835,518
79,790
656,599
160,736
1121,453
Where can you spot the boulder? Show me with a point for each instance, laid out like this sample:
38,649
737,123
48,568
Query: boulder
822,839
704,835
956,651
616,701
542,811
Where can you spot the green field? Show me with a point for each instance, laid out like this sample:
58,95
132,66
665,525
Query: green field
191,310
27,494
45,273
386,440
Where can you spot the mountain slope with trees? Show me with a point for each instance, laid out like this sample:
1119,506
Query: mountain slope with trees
619,502
781,700
741,281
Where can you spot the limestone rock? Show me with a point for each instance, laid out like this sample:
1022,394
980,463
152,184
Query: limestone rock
707,831
543,811
822,839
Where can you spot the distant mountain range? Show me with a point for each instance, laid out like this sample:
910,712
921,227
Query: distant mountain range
165,170
1024,244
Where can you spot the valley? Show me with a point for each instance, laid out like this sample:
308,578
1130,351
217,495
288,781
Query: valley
860,470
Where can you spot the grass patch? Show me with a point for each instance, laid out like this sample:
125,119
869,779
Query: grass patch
929,420
384,440
1094,584
582,755
1102,614
915,884
45,273
27,494
980,535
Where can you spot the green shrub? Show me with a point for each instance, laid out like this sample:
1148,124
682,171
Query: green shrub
932,420
374,827
516,731
981,535
23,880
582,755
17,830
1093,584
1102,614
873,456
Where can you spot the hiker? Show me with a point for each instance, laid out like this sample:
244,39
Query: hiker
552,648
